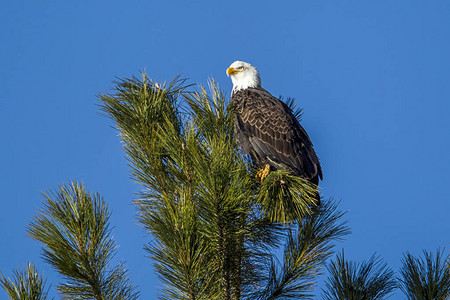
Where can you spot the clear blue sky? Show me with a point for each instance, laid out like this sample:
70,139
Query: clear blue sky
373,78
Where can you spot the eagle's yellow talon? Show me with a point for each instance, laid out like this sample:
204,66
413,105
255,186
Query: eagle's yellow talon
262,174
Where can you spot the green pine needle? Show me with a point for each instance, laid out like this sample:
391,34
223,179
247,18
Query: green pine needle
26,284
308,246
73,227
370,280
286,198
425,277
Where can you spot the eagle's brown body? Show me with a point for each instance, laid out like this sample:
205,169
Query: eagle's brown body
267,129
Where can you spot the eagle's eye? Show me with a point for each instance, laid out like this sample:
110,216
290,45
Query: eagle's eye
240,68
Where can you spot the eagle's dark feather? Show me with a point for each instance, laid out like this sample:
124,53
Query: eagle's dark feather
267,129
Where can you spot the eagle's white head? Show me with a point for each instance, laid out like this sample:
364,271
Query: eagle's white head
243,75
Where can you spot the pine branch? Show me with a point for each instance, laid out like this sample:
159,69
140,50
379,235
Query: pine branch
286,198
371,280
25,285
140,108
425,277
73,227
305,253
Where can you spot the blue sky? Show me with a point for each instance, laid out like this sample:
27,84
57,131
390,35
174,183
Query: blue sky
373,78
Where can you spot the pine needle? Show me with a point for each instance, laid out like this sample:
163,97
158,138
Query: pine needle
25,285
73,227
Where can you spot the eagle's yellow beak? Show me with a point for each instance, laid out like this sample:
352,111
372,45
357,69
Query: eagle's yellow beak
231,71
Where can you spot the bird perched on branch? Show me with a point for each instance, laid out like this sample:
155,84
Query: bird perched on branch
266,128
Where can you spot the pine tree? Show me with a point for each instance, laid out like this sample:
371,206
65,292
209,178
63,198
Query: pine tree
370,280
215,227
427,277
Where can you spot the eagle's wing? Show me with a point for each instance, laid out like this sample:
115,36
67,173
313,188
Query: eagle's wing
274,133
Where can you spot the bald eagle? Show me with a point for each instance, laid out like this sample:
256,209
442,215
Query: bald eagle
266,128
